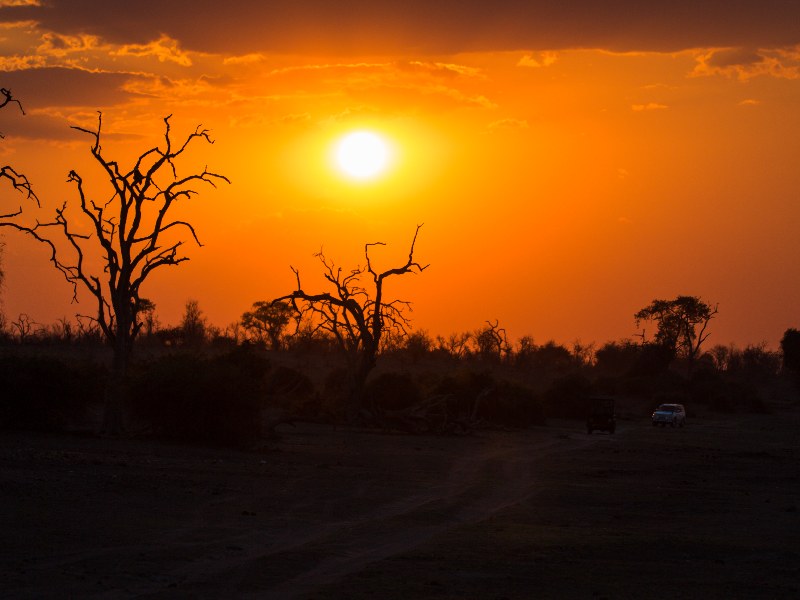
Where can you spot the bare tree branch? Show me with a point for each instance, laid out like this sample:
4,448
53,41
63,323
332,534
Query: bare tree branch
357,318
18,180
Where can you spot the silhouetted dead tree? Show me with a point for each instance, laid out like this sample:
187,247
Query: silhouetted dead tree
356,317
491,341
18,180
132,234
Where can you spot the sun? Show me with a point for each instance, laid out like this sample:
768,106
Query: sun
362,155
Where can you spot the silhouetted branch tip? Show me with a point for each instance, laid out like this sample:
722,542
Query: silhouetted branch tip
9,98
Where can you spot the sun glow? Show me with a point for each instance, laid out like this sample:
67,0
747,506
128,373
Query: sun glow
362,155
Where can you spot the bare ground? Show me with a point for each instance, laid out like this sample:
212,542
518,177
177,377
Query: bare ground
708,511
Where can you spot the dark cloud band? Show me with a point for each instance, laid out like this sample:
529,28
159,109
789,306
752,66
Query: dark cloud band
426,26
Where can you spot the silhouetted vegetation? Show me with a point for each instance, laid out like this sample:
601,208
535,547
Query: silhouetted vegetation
45,393
359,319
197,383
8,173
790,347
132,234
211,399
682,325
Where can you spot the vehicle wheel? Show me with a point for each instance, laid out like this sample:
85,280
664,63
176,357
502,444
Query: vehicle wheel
611,430
655,424
673,423
683,423
588,431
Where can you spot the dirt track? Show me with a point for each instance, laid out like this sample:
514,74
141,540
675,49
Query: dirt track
709,511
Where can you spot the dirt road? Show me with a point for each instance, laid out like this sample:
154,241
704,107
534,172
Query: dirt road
708,511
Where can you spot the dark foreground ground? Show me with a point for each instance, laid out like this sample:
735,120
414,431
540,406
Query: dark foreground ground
709,511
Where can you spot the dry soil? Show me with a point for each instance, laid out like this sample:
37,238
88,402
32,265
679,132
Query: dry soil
705,511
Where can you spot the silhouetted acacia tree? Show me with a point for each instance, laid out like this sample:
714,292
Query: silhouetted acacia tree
355,316
682,324
266,321
133,233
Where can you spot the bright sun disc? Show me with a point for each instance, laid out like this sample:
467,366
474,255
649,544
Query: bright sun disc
362,154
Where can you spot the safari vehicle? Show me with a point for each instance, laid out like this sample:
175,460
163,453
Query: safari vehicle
669,414
601,415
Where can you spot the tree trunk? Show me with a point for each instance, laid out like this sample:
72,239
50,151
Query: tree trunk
359,372
116,391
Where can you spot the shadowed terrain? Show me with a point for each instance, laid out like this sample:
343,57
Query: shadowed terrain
707,511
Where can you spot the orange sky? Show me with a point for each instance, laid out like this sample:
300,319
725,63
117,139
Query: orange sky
569,166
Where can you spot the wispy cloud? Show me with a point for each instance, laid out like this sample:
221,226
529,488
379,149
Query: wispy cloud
545,59
648,106
329,67
507,125
245,59
447,69
4,3
165,49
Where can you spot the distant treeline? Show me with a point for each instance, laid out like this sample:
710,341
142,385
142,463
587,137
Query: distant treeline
198,383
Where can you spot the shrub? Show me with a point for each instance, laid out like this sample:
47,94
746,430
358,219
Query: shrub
392,391
568,397
477,395
47,394
508,404
216,400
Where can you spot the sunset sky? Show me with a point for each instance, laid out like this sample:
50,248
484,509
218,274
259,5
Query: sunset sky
570,161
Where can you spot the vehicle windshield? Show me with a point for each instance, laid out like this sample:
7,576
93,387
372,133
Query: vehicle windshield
665,408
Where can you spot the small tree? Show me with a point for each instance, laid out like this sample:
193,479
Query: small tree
266,321
491,342
682,324
132,233
356,317
194,324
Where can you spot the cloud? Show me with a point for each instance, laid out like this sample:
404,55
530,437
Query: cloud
545,60
745,63
164,49
245,59
57,86
446,69
20,63
57,45
649,106
40,126
360,66
507,125
421,27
